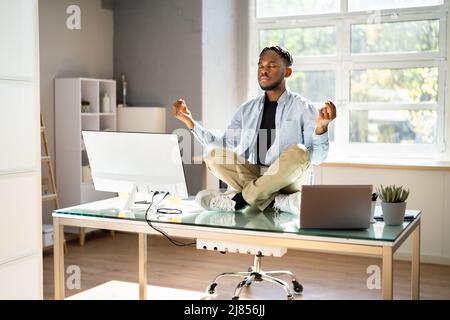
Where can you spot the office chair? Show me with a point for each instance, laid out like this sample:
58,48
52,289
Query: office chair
255,273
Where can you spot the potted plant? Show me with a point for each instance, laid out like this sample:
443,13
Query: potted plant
393,203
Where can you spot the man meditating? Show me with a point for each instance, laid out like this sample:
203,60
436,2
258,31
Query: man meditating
279,129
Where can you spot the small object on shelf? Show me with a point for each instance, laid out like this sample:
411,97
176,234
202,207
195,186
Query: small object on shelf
106,103
124,88
85,106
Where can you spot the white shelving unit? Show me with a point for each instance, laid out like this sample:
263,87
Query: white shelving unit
74,187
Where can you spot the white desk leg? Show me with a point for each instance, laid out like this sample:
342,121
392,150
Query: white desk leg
415,264
142,266
58,258
387,274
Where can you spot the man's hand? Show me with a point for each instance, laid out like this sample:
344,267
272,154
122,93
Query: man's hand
325,116
181,112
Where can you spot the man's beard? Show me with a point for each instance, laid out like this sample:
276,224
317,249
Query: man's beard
272,86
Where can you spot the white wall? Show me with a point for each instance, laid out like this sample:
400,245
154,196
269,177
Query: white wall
447,102
20,163
446,218
430,192
225,63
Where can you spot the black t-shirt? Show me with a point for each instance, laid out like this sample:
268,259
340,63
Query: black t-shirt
265,130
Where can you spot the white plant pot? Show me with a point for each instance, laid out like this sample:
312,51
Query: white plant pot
393,213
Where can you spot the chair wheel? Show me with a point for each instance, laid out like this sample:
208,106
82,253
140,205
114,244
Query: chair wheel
298,288
235,298
211,288
290,297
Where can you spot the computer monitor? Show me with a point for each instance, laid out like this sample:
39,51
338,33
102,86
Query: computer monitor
135,163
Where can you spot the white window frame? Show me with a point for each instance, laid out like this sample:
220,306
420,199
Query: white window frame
343,62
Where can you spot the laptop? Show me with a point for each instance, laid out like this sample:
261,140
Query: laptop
335,206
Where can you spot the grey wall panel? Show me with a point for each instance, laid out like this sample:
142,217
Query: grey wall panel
158,46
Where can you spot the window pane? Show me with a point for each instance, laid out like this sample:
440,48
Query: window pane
364,5
316,86
402,126
411,36
302,41
282,8
395,85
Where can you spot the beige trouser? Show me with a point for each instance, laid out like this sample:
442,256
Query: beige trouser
286,175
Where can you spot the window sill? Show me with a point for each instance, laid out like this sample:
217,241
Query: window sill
380,163
386,163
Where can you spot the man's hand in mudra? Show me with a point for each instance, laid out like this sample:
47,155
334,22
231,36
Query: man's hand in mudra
325,116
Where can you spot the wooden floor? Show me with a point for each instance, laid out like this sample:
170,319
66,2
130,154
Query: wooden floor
324,276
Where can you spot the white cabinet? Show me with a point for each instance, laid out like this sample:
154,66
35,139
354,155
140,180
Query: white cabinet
20,174
18,127
19,234
78,107
21,279
142,119
18,35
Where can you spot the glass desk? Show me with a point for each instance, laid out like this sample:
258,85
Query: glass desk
250,226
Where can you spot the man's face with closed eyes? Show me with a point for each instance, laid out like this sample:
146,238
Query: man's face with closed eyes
271,70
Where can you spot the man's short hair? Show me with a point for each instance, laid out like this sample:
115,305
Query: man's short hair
283,53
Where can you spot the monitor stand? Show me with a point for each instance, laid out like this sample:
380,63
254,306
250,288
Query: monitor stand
131,201
143,202
131,198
